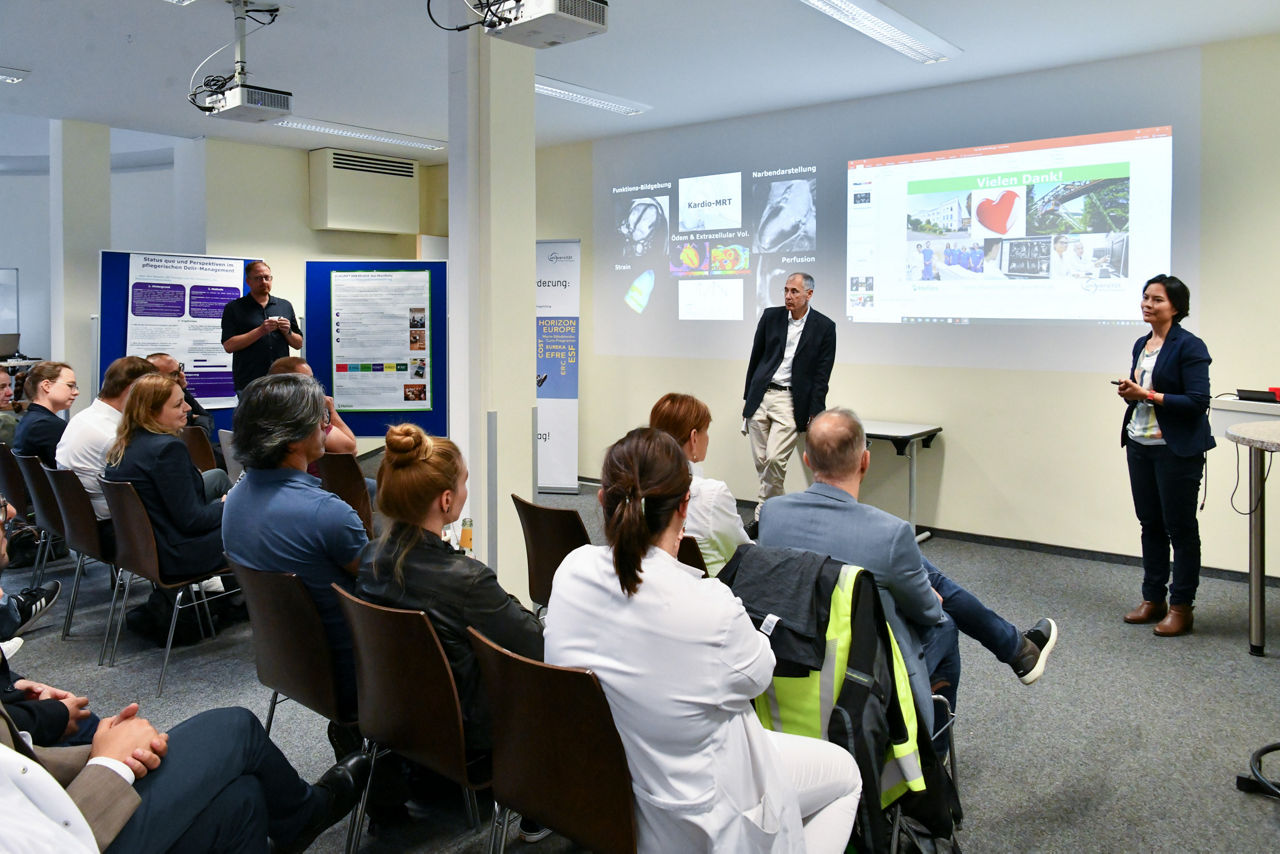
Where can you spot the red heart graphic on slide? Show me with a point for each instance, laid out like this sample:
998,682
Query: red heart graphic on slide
995,213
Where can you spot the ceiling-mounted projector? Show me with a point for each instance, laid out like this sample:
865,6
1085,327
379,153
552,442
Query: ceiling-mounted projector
546,23
245,103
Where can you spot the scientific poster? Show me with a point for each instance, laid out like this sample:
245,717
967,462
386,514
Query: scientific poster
381,340
558,275
175,307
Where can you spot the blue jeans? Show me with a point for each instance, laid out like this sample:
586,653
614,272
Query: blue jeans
973,618
942,657
224,786
1164,497
10,619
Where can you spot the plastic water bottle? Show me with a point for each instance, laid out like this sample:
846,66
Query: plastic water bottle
464,539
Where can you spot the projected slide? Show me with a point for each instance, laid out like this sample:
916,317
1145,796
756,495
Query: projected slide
712,247
1042,230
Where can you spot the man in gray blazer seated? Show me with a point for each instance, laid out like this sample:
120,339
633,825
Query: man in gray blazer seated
828,518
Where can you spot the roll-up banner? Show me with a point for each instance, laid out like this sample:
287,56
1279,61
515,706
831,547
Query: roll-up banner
558,276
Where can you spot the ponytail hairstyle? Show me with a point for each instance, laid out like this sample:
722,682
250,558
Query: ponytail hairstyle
415,470
644,480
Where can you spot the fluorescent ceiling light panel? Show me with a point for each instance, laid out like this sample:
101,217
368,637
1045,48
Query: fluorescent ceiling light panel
587,97
180,2
13,75
357,132
886,26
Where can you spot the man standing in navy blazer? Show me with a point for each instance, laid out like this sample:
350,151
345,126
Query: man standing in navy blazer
787,378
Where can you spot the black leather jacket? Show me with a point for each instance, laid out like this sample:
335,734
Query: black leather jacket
456,592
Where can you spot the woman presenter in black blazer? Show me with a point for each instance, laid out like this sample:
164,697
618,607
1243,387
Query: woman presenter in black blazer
1166,433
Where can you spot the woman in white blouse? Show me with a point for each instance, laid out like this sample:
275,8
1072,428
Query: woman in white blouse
680,662
713,513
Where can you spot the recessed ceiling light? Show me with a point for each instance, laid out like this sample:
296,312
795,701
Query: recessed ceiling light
357,132
587,97
180,2
886,26
13,75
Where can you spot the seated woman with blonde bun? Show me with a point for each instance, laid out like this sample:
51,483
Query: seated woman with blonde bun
422,486
713,513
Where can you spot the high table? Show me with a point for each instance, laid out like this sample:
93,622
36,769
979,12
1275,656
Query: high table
1261,437
906,439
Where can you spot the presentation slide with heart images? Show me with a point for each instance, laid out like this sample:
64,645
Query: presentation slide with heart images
1041,230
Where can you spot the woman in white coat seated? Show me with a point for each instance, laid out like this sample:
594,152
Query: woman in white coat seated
713,513
680,662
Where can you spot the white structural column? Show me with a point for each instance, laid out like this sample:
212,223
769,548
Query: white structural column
491,285
190,199
79,229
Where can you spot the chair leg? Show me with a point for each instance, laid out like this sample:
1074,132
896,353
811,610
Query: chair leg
356,825
42,555
173,625
126,582
472,807
75,591
271,711
498,830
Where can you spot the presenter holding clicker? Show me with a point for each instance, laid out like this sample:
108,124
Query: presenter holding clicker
787,378
1166,434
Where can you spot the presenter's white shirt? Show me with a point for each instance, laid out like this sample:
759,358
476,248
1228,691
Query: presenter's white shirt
795,328
679,662
39,815
713,520
83,449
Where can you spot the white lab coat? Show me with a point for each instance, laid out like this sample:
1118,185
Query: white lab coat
713,520
680,663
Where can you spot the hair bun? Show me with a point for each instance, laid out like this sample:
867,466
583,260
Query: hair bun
407,444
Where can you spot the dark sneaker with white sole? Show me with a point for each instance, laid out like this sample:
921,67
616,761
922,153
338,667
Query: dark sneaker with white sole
1037,642
34,603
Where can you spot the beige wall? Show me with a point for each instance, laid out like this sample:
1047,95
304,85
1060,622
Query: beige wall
258,200
1023,455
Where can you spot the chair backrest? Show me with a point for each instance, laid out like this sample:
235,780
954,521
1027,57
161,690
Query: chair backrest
79,522
690,555
199,447
12,485
557,757
289,643
135,538
550,533
234,468
341,475
48,516
408,699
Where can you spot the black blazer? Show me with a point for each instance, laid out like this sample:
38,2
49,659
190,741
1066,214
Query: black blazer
37,434
188,529
810,367
1181,374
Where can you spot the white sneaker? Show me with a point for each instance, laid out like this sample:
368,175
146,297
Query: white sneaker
10,647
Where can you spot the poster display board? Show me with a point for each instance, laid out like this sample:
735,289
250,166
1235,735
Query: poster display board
377,340
155,302
558,281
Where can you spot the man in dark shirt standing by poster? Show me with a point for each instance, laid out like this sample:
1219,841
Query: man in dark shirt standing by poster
258,328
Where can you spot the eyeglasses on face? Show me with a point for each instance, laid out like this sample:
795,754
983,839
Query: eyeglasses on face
73,386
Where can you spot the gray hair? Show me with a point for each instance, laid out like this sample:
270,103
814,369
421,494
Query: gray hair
804,277
274,412
835,442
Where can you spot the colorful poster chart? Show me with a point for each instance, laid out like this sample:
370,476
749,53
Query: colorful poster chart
558,276
381,339
175,307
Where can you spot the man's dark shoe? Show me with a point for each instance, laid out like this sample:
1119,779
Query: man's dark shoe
341,787
1037,642
34,603
1147,612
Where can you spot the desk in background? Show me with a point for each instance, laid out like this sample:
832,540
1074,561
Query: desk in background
907,439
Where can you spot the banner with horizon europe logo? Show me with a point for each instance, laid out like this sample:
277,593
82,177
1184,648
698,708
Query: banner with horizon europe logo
557,313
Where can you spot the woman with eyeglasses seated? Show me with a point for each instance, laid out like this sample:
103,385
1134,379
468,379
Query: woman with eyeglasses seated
422,486
51,388
185,507
680,663
713,518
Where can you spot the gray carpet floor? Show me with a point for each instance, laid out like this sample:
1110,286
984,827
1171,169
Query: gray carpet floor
1128,743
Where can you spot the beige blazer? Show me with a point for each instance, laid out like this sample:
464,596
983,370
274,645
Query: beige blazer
103,797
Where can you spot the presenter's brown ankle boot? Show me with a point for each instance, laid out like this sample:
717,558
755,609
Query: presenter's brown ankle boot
1147,612
1178,622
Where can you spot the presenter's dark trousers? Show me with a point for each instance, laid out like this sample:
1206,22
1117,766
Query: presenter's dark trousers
1165,487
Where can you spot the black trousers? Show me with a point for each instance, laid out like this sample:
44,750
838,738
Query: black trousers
1164,497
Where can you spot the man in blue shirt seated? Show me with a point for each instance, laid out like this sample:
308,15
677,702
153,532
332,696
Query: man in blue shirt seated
279,519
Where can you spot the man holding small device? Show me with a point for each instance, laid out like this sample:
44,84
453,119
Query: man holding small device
258,328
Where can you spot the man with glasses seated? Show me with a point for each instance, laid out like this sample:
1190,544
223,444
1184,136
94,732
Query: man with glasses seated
8,418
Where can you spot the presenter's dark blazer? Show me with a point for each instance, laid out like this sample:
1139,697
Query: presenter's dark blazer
188,529
810,367
1181,374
